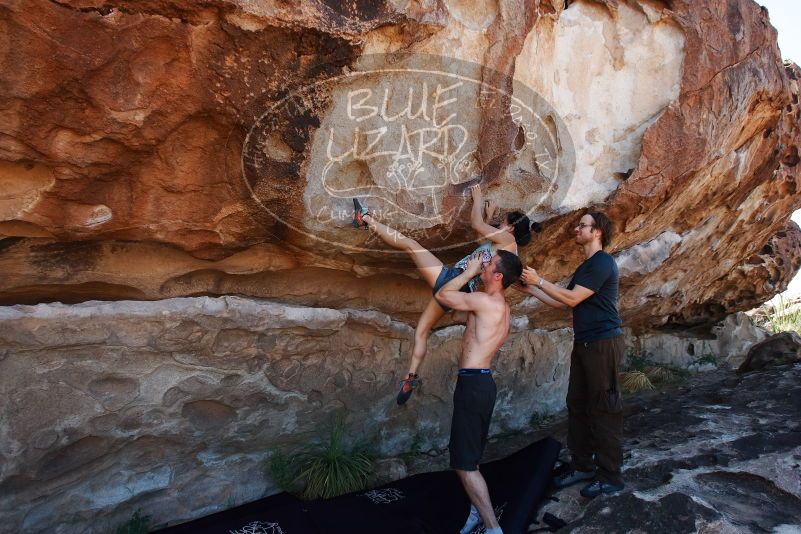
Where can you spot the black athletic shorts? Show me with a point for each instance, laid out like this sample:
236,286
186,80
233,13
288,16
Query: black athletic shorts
473,403
446,275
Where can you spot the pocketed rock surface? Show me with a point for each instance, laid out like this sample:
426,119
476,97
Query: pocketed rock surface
173,406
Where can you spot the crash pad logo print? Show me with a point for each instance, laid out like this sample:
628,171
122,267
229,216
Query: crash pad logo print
259,527
481,529
403,137
384,496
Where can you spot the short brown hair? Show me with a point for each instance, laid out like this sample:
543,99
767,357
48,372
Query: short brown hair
603,224
510,267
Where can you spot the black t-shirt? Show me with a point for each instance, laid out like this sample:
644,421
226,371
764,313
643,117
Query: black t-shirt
597,316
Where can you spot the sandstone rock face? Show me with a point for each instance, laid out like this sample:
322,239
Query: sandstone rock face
736,335
778,349
160,149
726,346
172,406
164,149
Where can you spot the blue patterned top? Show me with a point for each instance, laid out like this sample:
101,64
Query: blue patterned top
486,257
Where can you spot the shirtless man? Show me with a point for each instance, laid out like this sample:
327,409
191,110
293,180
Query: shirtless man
474,398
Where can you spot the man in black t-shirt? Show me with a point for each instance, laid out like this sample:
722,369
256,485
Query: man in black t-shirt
595,418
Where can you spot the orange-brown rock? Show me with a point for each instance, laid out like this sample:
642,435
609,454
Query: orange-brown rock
124,127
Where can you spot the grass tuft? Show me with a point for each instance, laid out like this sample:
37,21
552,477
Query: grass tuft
784,316
637,362
659,374
333,470
540,420
323,471
137,524
415,447
279,467
634,381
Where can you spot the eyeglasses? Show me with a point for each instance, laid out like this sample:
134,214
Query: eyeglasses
583,225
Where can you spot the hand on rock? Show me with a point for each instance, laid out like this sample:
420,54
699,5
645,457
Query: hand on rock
489,209
478,196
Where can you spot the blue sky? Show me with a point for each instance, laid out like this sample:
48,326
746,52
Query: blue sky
785,16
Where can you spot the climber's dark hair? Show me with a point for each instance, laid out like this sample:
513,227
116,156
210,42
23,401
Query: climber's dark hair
522,227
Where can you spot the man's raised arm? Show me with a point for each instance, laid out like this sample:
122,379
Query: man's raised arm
540,295
450,295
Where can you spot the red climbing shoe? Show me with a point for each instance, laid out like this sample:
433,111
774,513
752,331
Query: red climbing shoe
407,387
359,212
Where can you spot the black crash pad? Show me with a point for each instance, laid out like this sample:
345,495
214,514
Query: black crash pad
428,503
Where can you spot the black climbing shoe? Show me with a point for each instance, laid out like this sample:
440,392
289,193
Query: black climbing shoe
599,487
572,477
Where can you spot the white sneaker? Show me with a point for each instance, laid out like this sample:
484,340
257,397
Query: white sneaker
473,520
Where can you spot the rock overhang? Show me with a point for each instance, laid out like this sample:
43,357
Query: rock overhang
139,188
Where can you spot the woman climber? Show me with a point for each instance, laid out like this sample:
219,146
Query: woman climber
514,231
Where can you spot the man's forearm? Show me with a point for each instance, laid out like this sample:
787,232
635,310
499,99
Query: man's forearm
543,297
551,290
455,284
560,294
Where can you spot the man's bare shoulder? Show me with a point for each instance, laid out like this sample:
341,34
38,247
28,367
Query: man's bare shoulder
490,303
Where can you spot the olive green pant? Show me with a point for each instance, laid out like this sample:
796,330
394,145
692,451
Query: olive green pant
595,411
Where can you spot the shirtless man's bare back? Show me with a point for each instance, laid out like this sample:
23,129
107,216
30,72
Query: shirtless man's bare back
474,398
